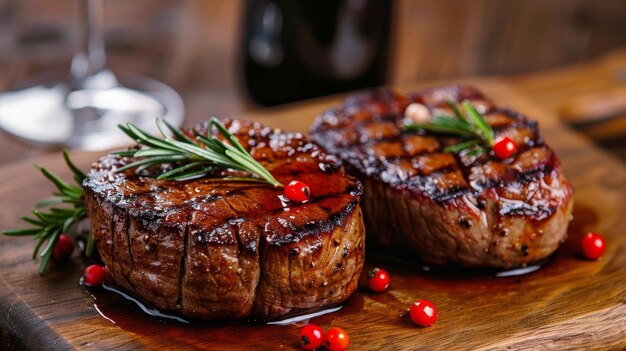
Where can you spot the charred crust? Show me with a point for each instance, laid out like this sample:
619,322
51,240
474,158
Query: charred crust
364,111
314,228
410,185
181,275
250,220
481,203
372,166
464,222
523,209
524,250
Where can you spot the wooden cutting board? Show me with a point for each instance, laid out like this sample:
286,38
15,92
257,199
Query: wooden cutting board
569,303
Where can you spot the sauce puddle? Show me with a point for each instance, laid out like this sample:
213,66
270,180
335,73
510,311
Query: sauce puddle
409,281
144,307
110,294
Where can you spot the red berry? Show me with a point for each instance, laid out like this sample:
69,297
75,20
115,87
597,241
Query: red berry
94,275
424,313
593,245
297,191
504,148
311,337
336,339
63,248
378,280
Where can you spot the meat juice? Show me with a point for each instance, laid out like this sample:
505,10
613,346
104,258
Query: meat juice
133,315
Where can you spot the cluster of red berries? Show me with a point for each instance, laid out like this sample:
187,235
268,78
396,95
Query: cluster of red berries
313,337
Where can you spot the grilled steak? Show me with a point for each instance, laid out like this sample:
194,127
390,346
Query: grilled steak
446,208
215,249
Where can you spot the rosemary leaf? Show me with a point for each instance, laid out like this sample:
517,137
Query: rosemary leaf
21,232
64,210
475,133
177,134
457,112
79,176
152,161
48,202
204,155
152,153
46,236
181,170
231,138
461,146
479,121
192,174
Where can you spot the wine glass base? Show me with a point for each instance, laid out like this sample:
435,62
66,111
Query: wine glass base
87,118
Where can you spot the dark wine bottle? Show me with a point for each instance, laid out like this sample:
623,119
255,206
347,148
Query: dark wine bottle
294,50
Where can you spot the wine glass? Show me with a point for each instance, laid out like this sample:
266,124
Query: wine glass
84,110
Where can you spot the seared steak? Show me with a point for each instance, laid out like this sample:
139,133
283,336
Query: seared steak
214,249
440,206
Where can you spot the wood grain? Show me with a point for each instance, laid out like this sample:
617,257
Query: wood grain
570,303
448,38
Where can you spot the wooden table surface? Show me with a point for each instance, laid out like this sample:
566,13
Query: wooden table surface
531,311
568,304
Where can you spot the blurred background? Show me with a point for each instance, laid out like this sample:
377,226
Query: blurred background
229,57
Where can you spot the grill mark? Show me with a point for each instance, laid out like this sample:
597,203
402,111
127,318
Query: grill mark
112,228
119,216
235,225
301,231
376,119
130,251
539,213
463,170
325,227
517,120
442,171
262,247
499,129
523,177
460,92
183,260
419,184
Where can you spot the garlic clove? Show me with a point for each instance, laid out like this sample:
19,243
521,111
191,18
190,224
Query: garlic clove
417,113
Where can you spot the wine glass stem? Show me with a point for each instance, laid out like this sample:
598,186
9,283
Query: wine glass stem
90,58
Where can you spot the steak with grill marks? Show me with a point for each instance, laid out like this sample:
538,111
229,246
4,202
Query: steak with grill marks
446,208
214,249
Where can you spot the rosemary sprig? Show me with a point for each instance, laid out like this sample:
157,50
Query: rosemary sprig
66,208
476,134
191,158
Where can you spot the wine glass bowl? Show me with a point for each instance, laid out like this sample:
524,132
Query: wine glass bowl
84,110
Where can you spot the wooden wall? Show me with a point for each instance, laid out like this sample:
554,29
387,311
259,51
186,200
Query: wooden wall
451,38
194,44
